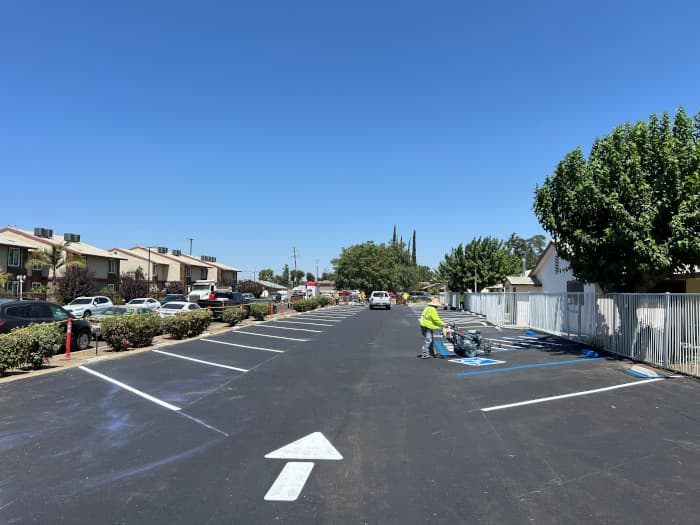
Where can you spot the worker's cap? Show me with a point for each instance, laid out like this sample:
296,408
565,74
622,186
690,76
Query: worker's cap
435,302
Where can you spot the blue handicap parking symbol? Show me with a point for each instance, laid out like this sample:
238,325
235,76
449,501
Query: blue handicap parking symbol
476,361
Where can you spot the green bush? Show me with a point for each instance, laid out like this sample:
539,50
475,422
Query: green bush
260,310
187,324
325,300
306,305
233,316
29,346
115,331
142,329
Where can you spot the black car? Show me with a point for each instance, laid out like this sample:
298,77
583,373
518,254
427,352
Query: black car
17,314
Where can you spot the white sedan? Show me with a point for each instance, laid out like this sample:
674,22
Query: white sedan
143,302
176,307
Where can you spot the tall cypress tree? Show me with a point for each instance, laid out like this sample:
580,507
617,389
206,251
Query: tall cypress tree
393,239
413,253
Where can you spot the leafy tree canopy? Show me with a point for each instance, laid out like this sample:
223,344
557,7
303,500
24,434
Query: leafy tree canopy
75,282
629,215
266,275
488,258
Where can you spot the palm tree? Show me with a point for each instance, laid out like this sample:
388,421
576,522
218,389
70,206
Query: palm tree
4,277
55,258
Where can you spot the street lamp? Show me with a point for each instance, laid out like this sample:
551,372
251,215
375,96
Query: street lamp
21,279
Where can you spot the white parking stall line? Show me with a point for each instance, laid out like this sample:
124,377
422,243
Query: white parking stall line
152,399
267,335
243,346
564,396
200,361
289,328
303,317
301,323
131,389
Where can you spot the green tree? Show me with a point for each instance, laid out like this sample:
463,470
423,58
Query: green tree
413,248
487,258
629,215
4,278
366,267
75,282
310,277
266,274
55,258
530,248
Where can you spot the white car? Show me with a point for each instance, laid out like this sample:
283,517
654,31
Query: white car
84,306
379,299
143,302
176,307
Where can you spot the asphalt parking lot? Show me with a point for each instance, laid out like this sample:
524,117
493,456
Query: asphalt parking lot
180,434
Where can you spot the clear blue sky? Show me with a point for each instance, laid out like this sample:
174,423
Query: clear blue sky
259,126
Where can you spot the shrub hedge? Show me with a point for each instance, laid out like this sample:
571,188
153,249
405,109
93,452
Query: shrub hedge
259,310
130,331
233,316
29,346
187,324
306,305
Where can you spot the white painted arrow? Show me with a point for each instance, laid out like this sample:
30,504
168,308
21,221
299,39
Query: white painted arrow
292,479
313,446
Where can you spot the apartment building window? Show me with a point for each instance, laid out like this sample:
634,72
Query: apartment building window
110,286
37,266
13,257
204,272
112,266
36,285
188,271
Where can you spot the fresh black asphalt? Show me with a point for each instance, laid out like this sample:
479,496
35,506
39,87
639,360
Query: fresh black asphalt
416,445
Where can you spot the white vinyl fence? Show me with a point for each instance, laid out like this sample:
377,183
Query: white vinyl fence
660,329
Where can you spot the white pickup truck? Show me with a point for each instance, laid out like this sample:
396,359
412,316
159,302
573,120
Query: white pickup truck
379,299
201,289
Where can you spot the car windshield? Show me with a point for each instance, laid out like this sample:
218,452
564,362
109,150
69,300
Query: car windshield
174,306
83,300
137,301
199,287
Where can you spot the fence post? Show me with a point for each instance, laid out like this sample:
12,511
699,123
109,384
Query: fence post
614,326
667,322
503,313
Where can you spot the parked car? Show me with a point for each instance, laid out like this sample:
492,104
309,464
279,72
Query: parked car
220,301
379,299
248,296
17,314
176,307
143,302
173,297
112,311
84,306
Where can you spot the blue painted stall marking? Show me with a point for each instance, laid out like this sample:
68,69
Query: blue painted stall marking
476,361
441,348
569,362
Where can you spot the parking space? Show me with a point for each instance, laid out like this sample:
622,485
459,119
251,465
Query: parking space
177,375
527,368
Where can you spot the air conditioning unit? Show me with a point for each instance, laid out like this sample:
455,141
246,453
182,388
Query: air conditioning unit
71,237
43,232
177,252
162,249
208,258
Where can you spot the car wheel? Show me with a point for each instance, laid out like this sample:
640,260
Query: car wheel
86,313
82,342
388,307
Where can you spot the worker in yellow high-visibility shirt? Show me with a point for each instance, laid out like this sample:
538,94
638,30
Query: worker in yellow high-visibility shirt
429,321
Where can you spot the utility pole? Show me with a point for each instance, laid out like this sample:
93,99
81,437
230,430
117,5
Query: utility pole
317,270
475,290
190,239
294,249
